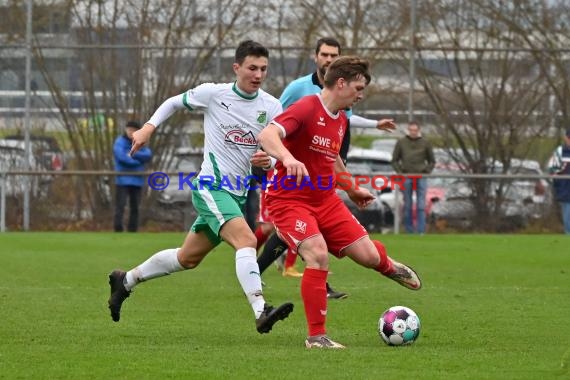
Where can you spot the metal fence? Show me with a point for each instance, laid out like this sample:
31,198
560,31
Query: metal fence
467,203
442,66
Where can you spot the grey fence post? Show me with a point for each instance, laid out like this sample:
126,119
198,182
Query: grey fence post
2,202
396,211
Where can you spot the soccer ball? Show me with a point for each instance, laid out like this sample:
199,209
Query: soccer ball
399,326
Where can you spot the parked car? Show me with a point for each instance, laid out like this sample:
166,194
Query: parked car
379,163
384,145
371,217
437,187
13,158
507,207
45,149
185,161
533,190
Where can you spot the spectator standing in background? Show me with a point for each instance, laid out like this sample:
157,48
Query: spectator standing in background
128,187
559,164
413,154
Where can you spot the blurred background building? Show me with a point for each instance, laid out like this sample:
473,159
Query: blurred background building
488,81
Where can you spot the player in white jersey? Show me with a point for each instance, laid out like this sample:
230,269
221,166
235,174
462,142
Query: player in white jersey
234,114
231,123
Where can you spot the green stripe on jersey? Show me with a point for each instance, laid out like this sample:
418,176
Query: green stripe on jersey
185,101
242,95
217,175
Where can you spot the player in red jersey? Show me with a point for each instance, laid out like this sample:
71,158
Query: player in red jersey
301,196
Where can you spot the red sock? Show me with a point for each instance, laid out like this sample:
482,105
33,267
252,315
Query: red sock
290,259
314,294
260,236
385,265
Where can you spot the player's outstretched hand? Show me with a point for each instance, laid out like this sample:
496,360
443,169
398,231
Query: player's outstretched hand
295,168
141,137
361,196
387,125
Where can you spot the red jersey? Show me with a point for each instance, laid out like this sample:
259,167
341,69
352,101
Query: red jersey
313,135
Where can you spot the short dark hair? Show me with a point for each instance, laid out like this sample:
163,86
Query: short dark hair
349,67
414,122
327,41
250,47
133,124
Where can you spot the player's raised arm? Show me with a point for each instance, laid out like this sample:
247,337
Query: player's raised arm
270,140
163,112
387,125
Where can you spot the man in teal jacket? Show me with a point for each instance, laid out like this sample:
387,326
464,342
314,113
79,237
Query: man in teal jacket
128,186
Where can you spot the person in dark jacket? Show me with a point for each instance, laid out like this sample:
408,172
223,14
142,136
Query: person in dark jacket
560,165
128,186
414,155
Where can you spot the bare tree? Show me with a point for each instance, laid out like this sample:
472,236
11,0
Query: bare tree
494,73
542,27
488,95
369,28
129,57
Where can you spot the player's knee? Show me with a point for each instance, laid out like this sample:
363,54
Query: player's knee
315,253
316,259
245,239
188,261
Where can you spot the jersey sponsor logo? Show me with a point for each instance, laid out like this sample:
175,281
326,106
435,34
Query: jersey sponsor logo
239,137
226,106
321,121
340,131
300,226
322,141
262,117
325,142
326,146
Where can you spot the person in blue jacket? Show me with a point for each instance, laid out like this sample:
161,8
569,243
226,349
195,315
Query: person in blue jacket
128,186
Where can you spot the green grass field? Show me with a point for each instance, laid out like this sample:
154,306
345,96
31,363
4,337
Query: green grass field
492,307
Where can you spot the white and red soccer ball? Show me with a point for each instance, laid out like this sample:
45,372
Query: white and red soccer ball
399,326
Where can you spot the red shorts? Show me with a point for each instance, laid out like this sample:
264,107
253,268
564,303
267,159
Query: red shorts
297,221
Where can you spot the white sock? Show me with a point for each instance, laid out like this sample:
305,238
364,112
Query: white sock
249,278
160,264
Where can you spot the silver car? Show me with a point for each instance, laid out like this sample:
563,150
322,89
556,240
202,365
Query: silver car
184,162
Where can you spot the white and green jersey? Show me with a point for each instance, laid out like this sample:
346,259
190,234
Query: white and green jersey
232,121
